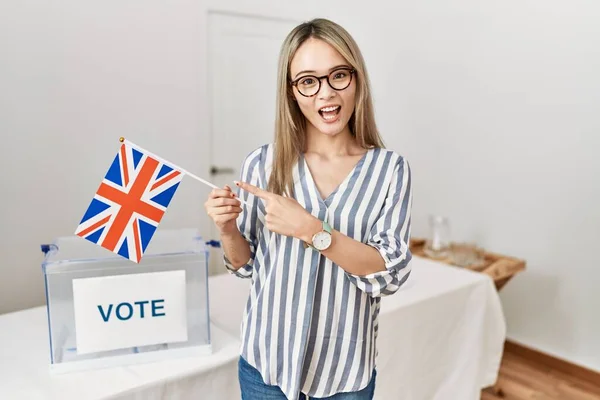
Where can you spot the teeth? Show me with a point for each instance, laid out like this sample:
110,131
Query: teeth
328,109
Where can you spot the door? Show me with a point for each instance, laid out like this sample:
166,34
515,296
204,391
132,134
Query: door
243,54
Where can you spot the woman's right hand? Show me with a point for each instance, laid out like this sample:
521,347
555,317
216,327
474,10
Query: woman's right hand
223,207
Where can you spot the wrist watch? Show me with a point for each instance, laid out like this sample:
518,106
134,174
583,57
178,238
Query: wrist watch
322,239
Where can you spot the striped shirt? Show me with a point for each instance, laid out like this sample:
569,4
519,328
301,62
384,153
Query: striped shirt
308,325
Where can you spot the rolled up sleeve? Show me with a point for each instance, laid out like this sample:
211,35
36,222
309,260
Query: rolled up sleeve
248,221
390,236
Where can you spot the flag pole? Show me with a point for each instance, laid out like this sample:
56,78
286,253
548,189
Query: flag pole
123,140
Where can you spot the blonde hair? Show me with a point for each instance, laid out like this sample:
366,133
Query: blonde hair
290,122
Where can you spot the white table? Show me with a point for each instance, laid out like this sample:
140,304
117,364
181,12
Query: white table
441,337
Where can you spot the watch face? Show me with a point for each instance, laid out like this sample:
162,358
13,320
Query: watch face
322,240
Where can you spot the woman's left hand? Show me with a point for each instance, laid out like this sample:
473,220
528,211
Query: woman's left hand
284,215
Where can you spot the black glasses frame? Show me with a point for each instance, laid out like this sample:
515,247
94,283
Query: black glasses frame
320,78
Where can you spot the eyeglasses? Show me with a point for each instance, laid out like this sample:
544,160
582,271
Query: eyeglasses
339,79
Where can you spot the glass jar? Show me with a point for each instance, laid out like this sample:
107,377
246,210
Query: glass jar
438,243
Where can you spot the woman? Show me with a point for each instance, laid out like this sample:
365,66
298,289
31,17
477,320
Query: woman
323,229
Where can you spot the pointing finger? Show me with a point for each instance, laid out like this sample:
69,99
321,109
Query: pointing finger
258,192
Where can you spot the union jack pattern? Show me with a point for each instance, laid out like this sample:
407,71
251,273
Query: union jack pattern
130,203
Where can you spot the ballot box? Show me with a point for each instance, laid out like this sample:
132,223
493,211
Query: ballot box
105,310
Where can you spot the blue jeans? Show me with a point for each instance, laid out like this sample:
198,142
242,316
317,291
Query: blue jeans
254,388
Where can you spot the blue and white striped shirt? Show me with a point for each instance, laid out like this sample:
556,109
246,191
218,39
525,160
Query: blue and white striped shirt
308,325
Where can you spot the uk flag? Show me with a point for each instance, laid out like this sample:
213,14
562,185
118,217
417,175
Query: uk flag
130,202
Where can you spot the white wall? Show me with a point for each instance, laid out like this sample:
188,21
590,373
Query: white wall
493,103
498,104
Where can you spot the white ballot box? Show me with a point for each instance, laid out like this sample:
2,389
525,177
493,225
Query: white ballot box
105,310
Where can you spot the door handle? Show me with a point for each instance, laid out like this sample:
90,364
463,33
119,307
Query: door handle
214,170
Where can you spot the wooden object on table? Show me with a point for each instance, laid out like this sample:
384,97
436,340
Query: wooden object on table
500,267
